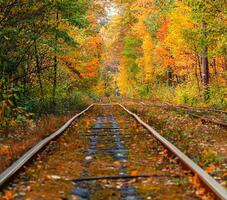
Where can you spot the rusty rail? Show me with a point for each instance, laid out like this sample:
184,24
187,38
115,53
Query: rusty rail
17,165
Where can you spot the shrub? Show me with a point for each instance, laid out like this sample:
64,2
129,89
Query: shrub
217,96
187,94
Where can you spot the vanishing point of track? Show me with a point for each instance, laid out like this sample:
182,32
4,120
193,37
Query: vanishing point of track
119,153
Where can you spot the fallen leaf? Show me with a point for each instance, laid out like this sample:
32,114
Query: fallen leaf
201,191
8,195
134,173
117,163
88,157
210,168
100,145
52,177
196,181
224,175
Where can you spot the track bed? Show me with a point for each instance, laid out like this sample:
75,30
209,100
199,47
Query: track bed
105,154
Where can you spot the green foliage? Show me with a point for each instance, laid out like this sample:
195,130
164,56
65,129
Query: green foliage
61,34
208,157
153,24
163,93
74,12
132,52
33,36
217,96
131,46
11,113
143,91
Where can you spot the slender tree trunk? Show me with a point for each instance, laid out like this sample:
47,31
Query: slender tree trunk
55,64
197,77
205,66
225,64
38,68
199,66
25,78
169,76
215,67
205,69
25,68
177,79
147,88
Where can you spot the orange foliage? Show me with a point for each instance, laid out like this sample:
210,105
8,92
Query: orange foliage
91,68
210,168
163,30
7,196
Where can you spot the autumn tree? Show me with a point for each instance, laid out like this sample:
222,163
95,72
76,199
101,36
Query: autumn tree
36,38
181,47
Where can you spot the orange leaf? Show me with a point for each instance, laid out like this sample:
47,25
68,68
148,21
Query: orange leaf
134,173
201,191
8,195
196,181
210,168
224,175
117,163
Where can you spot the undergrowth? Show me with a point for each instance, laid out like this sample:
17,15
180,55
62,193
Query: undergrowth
191,95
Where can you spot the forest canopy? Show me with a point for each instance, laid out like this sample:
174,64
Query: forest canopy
49,56
56,54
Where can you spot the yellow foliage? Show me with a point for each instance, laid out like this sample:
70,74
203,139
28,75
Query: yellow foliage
122,79
179,21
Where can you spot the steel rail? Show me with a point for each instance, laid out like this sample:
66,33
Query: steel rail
197,108
17,165
187,107
223,124
210,182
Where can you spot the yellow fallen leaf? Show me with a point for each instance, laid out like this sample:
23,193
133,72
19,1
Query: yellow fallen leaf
100,145
117,163
4,149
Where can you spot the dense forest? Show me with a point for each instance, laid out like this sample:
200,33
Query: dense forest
49,57
170,50
57,54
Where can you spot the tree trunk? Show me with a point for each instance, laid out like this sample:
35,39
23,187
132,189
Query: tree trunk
197,77
25,72
199,66
225,64
169,76
215,68
55,64
205,67
38,68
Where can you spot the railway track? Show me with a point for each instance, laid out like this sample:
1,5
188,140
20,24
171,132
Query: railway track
120,157
200,113
199,108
